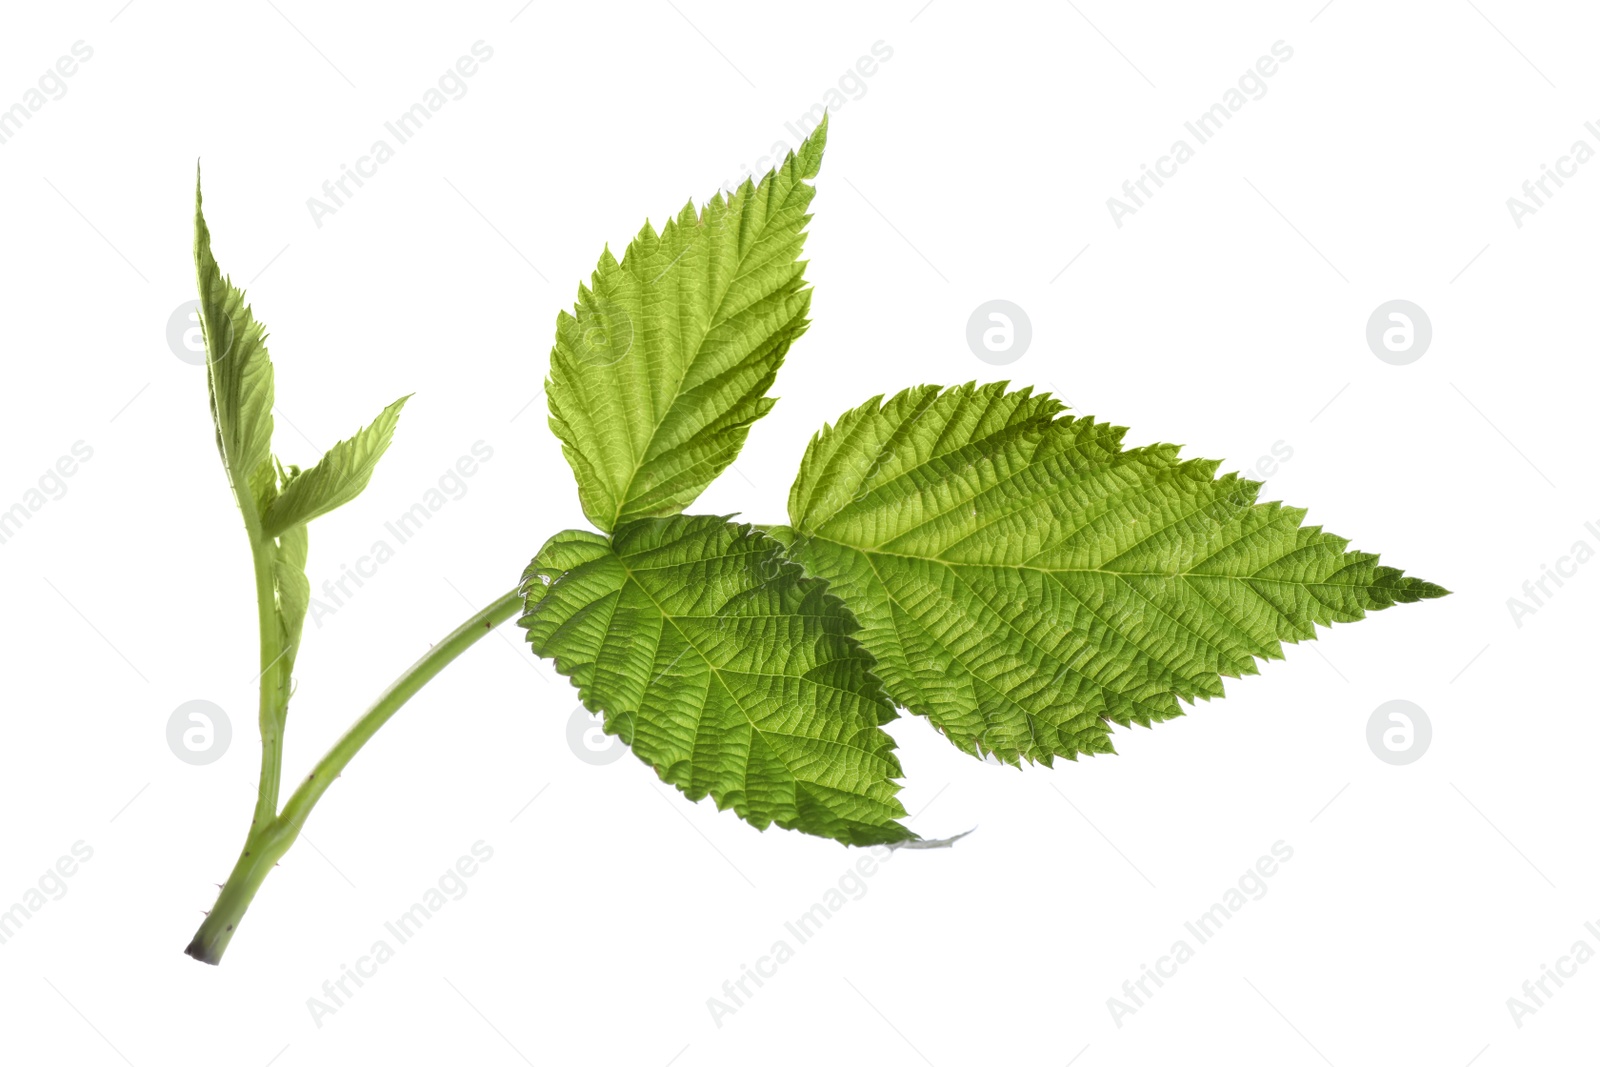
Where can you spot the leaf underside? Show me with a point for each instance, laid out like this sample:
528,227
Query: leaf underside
667,357
1024,581
720,664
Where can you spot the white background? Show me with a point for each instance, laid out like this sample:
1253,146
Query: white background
1228,314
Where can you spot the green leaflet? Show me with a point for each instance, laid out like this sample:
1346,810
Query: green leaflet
239,380
338,477
276,502
238,373
724,668
666,359
1024,581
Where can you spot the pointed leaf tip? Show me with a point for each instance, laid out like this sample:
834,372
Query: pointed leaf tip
681,340
337,478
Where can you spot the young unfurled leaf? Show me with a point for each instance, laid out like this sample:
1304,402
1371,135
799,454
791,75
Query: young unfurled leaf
1024,581
238,375
239,382
338,477
665,361
723,667
276,502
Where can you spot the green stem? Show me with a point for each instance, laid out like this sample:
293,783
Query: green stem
404,687
274,681
270,839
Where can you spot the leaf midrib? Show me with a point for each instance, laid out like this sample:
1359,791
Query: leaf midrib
865,550
671,620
